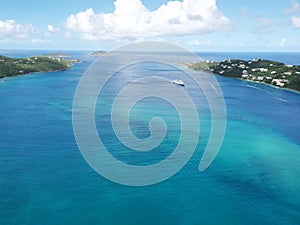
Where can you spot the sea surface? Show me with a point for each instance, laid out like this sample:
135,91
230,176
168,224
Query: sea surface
254,179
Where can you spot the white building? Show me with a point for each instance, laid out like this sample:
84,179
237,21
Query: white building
288,73
278,82
260,78
263,70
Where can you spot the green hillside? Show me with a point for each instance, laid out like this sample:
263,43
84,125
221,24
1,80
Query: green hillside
20,66
259,70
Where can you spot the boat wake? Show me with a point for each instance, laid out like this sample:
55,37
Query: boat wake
260,89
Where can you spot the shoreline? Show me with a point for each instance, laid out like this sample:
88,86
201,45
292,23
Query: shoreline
25,74
12,67
256,82
272,73
270,85
249,81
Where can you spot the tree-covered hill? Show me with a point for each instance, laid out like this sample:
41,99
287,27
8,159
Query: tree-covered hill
258,70
20,66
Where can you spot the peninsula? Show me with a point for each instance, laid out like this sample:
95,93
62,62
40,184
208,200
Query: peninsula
21,66
258,70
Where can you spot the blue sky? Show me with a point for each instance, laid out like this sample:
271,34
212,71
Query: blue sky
208,25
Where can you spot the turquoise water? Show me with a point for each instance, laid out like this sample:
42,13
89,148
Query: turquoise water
255,178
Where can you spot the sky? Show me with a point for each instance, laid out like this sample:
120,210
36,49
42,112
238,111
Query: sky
198,25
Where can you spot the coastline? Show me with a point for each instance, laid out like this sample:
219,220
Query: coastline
264,71
249,81
25,74
270,85
11,66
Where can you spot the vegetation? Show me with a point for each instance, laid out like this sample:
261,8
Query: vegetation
55,55
20,66
101,53
259,70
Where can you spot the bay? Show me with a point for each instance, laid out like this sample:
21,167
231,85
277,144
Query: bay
45,180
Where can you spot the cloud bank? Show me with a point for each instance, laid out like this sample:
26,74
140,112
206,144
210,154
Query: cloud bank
11,29
294,9
131,19
296,21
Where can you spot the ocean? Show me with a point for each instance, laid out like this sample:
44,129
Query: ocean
44,179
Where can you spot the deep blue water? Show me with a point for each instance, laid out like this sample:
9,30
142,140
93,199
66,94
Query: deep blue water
255,178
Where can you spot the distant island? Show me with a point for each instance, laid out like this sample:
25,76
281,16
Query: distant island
46,63
258,70
101,53
55,55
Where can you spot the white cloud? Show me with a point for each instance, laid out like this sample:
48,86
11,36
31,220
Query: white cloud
265,25
296,21
295,8
286,43
53,29
264,21
198,42
131,19
67,35
56,32
11,29
160,39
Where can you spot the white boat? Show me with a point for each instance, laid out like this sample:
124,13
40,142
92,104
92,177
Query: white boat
178,82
